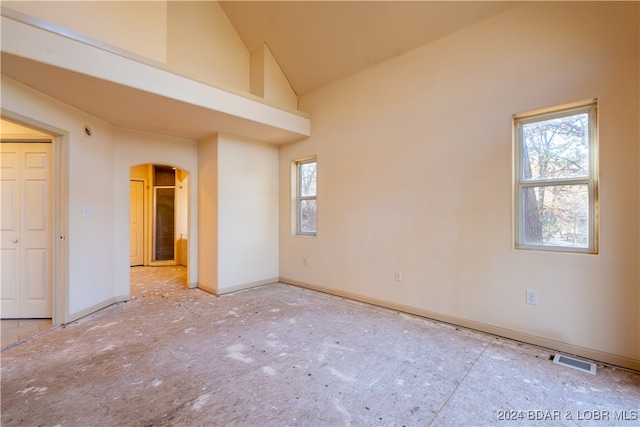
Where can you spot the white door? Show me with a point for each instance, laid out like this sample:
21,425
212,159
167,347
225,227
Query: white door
26,228
136,222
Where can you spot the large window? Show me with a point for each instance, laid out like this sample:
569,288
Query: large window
306,196
556,179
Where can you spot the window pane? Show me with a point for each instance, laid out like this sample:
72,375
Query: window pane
556,148
307,216
556,215
308,179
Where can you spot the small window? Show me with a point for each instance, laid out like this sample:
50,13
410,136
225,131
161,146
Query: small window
556,179
306,197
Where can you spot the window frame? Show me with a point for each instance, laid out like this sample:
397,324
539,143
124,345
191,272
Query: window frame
300,198
589,107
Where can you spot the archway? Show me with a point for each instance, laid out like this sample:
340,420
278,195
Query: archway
159,215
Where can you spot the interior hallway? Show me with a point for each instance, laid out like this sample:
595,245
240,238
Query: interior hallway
282,355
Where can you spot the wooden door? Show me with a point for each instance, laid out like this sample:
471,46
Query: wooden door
26,228
136,222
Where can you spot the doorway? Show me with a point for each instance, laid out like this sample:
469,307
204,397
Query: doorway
27,222
158,215
164,215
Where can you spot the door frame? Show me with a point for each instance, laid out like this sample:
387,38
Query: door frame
185,217
59,209
144,217
154,240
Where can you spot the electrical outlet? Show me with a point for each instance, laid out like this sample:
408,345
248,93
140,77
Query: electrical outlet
532,297
398,276
305,261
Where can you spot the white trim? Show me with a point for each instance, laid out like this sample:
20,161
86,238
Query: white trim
90,310
557,110
299,198
613,359
60,209
590,107
236,288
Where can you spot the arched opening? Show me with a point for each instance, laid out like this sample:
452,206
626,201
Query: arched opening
159,217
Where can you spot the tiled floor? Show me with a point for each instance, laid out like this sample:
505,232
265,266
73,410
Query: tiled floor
16,330
280,355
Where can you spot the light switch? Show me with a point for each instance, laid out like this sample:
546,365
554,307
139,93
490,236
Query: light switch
87,211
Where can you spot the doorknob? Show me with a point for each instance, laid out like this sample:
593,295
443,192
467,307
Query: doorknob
15,240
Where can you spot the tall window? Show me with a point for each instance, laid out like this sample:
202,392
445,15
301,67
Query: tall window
306,196
556,179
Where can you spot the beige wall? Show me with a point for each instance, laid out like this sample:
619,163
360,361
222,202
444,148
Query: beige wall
415,175
238,213
88,247
208,213
247,213
193,39
203,44
135,148
96,172
142,25
268,81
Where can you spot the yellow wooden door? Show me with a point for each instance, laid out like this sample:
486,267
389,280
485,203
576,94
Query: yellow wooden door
136,222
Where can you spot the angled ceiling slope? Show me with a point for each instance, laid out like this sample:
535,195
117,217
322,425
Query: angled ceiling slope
130,93
319,42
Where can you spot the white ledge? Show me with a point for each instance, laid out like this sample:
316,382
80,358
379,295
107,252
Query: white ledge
37,46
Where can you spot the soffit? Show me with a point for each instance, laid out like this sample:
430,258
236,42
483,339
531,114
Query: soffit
132,108
319,42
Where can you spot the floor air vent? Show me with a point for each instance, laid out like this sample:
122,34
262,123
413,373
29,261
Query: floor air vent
578,364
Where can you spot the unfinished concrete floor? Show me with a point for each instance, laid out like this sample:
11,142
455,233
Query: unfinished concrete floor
280,355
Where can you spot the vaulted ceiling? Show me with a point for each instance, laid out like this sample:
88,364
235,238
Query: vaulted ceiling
314,42
319,42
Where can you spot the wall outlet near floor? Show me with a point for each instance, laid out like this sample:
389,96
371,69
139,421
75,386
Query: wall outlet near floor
305,261
398,276
532,297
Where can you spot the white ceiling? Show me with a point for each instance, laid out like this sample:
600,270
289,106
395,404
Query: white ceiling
319,42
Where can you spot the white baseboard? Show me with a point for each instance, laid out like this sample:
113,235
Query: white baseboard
596,355
236,288
90,310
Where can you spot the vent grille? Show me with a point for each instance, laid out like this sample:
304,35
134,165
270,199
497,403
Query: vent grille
573,363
